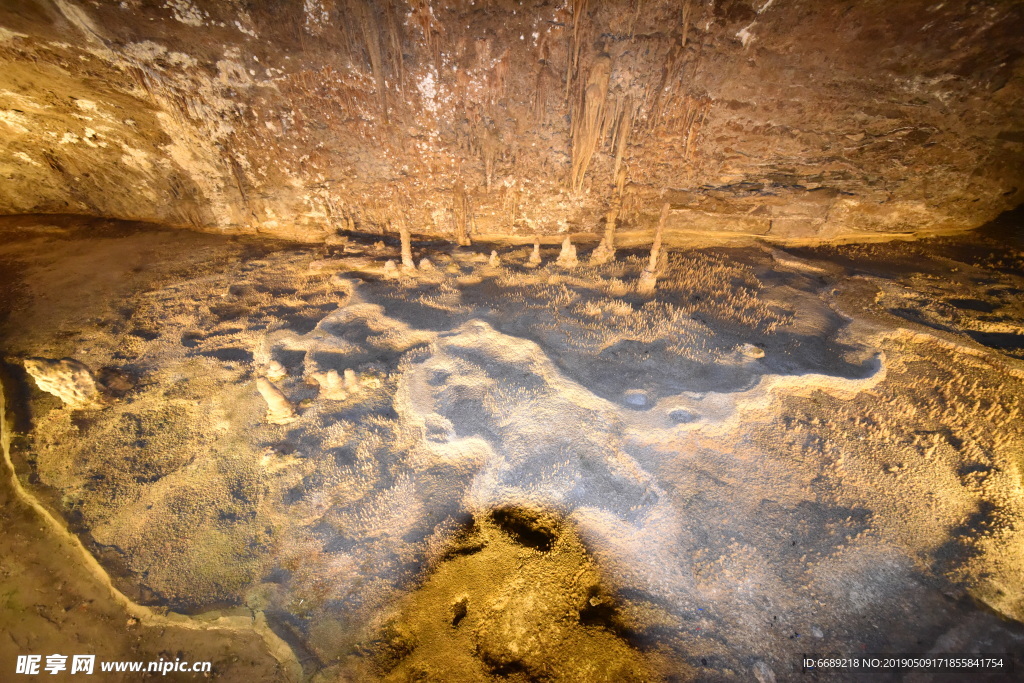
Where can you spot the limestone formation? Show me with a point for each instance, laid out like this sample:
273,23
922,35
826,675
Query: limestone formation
751,351
494,261
67,379
390,269
279,409
567,257
426,515
425,264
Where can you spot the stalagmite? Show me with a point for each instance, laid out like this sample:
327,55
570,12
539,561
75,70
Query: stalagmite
390,269
70,381
609,229
494,261
351,381
649,277
407,261
535,254
332,387
425,264
279,408
567,257
605,251
601,255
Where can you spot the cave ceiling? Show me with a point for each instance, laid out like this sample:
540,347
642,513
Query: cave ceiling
787,119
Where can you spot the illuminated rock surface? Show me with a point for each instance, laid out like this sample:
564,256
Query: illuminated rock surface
792,119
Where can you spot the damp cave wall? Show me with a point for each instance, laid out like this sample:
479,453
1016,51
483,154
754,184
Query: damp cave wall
789,119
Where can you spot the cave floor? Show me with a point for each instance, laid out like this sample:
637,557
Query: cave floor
497,471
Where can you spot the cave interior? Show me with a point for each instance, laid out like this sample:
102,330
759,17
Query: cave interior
512,340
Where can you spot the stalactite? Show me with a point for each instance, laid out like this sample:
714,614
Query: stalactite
460,212
674,60
545,78
433,31
489,144
591,120
695,121
622,132
579,8
371,40
636,15
510,204
686,23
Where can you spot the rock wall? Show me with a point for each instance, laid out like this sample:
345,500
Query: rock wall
790,119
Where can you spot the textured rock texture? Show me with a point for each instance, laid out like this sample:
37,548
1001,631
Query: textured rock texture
781,118
67,379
